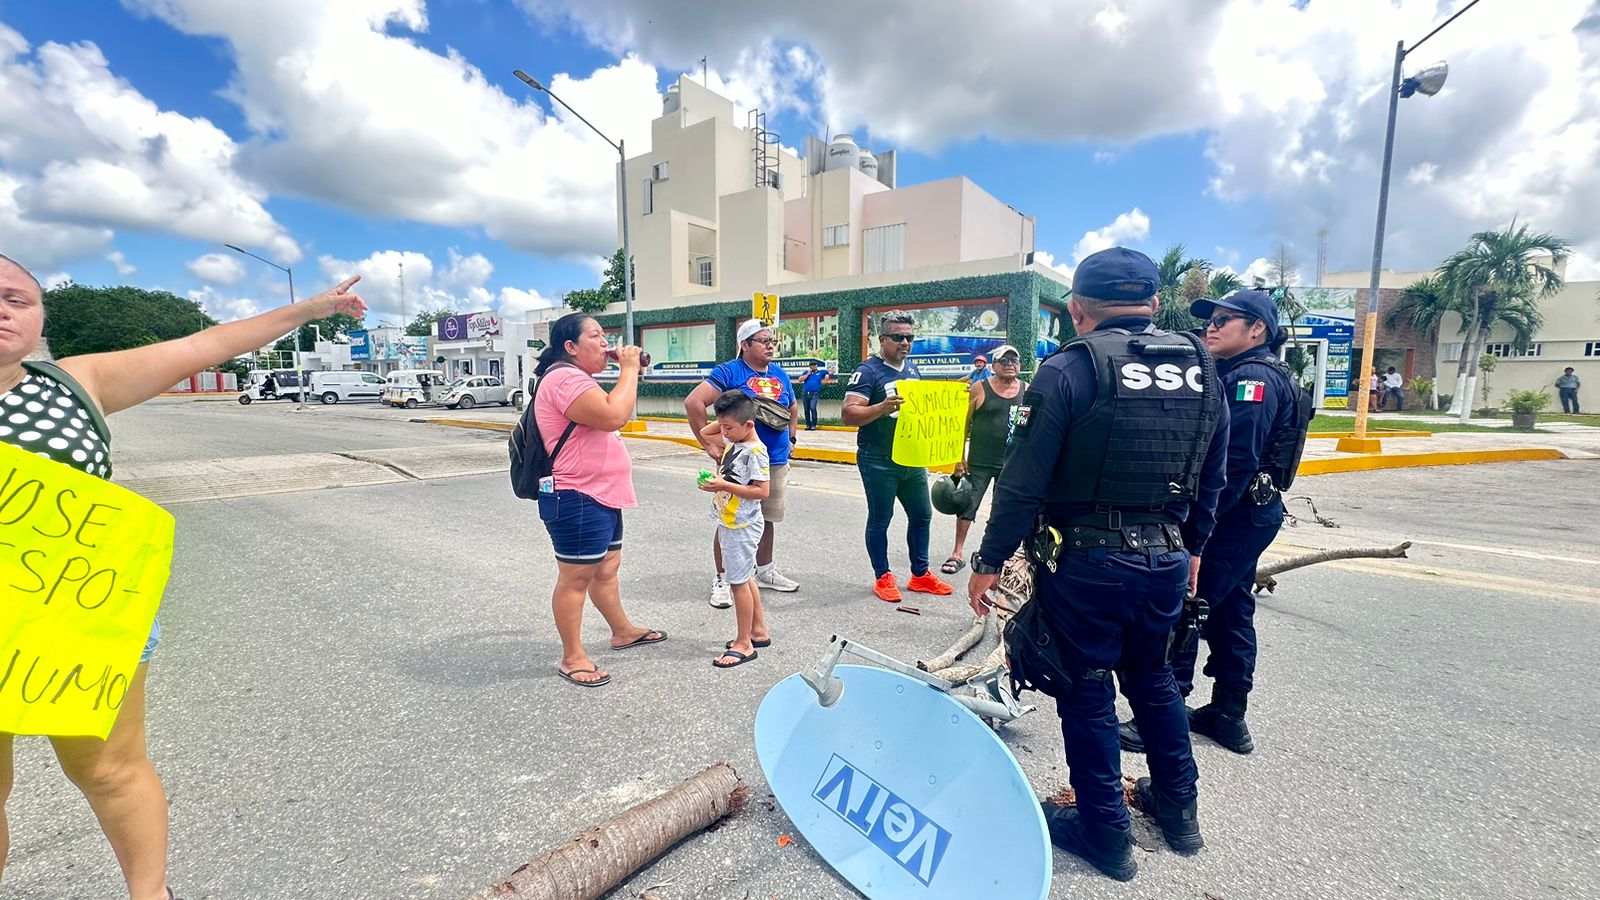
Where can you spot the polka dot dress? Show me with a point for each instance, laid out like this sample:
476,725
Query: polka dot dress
41,416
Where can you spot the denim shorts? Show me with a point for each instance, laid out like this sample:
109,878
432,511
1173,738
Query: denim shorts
151,642
582,529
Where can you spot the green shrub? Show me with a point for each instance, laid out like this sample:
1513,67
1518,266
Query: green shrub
1527,401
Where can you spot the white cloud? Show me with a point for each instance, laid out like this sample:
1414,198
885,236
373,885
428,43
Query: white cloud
462,285
361,115
55,280
1128,227
123,267
1290,97
36,244
85,150
1105,157
1046,258
218,268
225,308
515,301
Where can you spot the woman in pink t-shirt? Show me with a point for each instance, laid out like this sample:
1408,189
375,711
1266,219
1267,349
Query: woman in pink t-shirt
591,484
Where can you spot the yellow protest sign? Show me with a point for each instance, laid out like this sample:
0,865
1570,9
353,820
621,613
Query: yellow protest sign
932,423
83,563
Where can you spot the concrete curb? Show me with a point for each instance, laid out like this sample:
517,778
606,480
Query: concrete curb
668,420
1307,467
1410,460
1328,435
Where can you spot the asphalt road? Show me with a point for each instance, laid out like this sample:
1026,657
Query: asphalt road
380,717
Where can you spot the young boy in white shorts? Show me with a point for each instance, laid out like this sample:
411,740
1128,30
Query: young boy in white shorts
741,483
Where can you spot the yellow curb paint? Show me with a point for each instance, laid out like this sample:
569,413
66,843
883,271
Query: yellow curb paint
473,423
671,421
1359,445
1408,460
634,427
1328,435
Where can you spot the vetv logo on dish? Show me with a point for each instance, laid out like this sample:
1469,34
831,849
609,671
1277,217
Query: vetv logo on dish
900,830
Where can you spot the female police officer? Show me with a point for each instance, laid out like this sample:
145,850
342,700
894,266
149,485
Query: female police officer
1267,417
1119,444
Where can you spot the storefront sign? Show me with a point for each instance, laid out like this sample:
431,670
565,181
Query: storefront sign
949,337
470,327
360,346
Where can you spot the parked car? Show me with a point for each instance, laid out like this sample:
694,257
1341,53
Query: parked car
472,390
411,388
332,387
287,386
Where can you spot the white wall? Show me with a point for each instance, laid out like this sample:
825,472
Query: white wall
1570,323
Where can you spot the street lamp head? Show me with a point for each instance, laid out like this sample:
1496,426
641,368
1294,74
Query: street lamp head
1427,82
233,248
527,79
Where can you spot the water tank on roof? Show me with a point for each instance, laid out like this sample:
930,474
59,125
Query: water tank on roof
842,153
868,164
670,104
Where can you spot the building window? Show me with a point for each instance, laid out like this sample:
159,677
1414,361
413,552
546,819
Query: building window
883,249
649,197
1592,348
1505,350
1452,352
700,271
658,172
836,235
775,180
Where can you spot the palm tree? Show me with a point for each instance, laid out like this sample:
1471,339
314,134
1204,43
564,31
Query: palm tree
1224,283
1172,268
1501,276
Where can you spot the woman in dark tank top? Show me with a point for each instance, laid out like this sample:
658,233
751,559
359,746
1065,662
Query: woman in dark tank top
992,410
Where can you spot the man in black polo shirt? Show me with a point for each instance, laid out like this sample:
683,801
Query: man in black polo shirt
872,404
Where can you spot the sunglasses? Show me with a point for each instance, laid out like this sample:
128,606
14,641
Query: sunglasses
1008,361
768,341
1218,322
902,338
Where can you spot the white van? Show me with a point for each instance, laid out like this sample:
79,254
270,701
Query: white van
411,388
332,387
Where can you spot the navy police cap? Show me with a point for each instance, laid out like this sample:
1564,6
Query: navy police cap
1255,304
1116,274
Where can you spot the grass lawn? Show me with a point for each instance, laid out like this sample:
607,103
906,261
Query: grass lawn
1377,426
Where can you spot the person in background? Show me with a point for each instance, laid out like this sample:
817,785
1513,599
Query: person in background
740,485
1394,386
1567,386
592,484
871,403
992,405
980,369
1374,387
57,410
777,418
811,389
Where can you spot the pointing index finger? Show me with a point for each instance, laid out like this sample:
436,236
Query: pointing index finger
347,283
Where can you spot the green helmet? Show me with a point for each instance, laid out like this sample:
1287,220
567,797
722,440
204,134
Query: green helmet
952,496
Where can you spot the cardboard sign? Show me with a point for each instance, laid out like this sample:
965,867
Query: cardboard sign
83,564
932,424
902,790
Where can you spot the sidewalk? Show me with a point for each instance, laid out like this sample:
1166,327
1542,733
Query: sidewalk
1321,456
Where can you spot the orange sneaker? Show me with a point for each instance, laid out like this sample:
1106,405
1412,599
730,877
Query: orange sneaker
929,584
886,589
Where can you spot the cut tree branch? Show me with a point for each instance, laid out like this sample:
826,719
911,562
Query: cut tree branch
1266,581
602,856
968,640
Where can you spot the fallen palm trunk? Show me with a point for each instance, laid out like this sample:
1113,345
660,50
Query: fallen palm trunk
1265,581
968,640
602,856
963,674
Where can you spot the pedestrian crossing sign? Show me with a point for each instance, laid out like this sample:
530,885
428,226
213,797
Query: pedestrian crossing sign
764,308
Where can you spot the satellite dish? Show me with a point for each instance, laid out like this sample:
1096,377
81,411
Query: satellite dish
902,790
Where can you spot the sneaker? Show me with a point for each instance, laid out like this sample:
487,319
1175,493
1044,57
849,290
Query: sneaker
886,589
721,597
1227,730
775,580
1108,849
1180,824
928,583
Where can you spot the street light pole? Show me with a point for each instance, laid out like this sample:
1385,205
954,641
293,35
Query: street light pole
300,369
622,188
1427,83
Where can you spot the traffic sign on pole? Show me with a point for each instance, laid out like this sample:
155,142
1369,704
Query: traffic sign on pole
764,307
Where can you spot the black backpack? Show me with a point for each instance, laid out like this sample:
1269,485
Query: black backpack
530,462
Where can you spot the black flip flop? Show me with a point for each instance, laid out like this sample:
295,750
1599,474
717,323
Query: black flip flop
959,565
598,682
742,659
753,643
643,639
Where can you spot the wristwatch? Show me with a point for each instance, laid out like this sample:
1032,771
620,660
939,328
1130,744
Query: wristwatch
979,567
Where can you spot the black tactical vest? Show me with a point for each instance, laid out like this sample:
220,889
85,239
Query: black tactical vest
1143,443
1286,443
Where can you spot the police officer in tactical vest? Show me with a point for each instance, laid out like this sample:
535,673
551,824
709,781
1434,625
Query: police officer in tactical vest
1268,415
1114,470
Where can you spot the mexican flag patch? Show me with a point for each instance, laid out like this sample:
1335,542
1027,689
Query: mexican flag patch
1250,391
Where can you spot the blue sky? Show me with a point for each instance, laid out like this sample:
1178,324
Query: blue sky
355,134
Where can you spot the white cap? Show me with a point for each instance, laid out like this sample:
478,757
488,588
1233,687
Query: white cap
1002,350
750,328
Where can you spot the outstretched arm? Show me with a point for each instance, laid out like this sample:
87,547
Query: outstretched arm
123,378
